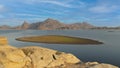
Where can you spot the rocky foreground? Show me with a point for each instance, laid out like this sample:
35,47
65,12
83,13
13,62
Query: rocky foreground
38,57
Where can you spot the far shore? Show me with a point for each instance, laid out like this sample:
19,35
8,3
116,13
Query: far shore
58,39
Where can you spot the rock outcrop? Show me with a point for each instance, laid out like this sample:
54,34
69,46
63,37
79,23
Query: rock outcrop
103,66
38,57
11,57
50,24
24,26
42,57
5,27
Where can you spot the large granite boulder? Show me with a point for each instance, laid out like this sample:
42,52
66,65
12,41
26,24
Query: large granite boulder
43,57
11,57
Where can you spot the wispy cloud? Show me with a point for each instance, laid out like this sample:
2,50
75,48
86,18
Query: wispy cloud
56,12
28,15
2,7
62,3
117,17
105,6
55,2
103,9
1,16
11,21
18,21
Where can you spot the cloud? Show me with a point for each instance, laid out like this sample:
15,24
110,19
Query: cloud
62,3
2,7
67,3
117,17
103,9
18,21
56,12
1,16
10,21
106,6
57,3
28,15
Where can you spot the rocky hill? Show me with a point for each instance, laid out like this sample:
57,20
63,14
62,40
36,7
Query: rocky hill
5,27
105,28
38,57
24,26
48,24
76,26
51,24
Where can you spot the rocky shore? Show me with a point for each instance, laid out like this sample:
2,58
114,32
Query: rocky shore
38,57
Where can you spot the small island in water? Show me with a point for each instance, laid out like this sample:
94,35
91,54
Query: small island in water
58,39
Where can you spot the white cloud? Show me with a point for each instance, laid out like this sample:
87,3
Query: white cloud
81,4
117,17
23,14
2,8
58,12
62,3
1,16
103,9
10,21
57,3
105,6
67,3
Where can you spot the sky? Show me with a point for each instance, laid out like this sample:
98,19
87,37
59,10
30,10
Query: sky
96,12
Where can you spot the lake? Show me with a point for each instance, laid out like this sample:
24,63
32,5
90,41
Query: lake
109,52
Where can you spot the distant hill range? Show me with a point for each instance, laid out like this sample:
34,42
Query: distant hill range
51,24
105,28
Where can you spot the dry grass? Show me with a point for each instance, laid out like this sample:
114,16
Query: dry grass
3,40
58,39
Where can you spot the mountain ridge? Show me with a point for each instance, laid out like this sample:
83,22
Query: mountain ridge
52,24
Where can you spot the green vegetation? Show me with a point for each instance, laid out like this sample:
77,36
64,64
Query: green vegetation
58,39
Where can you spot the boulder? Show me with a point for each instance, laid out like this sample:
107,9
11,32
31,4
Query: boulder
102,65
11,57
91,63
43,57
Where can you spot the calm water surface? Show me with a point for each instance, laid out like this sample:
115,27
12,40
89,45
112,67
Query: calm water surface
109,52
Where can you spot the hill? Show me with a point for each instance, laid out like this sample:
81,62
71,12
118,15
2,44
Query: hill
51,24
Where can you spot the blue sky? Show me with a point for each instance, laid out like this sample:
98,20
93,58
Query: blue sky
97,12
